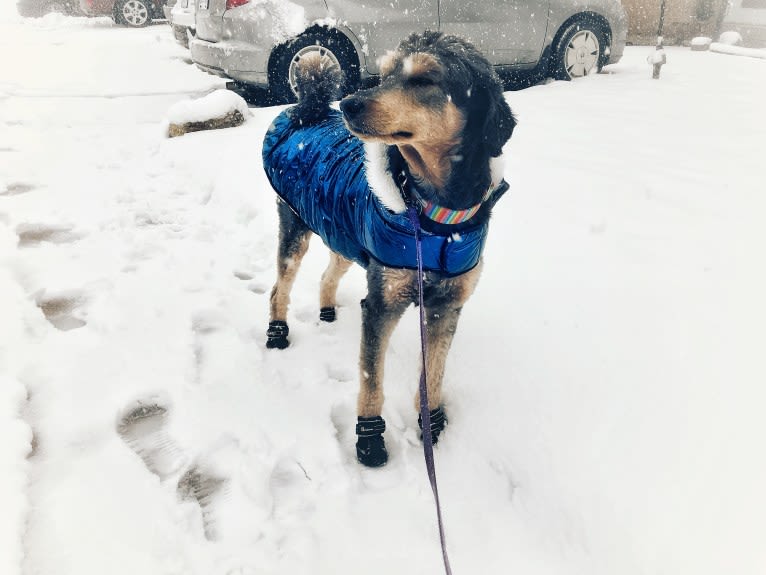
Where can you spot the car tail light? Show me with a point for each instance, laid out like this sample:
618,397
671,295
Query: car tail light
235,3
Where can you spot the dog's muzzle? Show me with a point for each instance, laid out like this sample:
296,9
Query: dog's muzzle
352,107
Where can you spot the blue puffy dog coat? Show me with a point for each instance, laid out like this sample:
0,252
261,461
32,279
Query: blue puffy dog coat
319,170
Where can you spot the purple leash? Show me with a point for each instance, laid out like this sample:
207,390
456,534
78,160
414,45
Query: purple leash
425,414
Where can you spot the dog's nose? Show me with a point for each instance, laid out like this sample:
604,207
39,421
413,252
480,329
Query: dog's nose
351,106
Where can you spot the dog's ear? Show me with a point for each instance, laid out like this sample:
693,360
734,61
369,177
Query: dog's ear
490,120
499,124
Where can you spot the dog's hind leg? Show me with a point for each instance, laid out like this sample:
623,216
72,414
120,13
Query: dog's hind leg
328,289
294,239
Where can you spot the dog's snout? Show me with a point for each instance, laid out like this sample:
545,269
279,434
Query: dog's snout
352,106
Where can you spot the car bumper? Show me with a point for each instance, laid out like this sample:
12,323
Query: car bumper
619,37
183,18
97,7
231,59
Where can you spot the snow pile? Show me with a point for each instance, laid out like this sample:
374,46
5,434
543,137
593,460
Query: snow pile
217,104
730,38
57,20
657,57
700,43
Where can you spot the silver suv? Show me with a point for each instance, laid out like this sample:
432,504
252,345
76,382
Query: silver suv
259,41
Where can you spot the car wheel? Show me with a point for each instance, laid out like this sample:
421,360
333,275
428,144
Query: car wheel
579,51
133,13
333,48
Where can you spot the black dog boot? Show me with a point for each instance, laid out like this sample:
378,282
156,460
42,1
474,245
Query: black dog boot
327,314
370,447
438,421
276,335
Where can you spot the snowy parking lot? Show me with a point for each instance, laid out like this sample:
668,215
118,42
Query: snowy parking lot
605,387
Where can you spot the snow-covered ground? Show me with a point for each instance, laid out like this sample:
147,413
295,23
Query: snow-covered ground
605,388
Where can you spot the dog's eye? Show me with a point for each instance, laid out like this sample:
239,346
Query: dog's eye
421,81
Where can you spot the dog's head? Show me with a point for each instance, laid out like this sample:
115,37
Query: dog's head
436,91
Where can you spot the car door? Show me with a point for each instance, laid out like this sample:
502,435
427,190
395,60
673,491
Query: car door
380,25
506,31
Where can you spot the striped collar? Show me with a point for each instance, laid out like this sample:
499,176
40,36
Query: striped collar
448,216
441,214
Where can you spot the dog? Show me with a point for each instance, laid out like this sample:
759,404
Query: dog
429,135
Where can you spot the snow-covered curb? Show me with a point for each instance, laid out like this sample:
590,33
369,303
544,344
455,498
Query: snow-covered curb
219,109
738,50
214,105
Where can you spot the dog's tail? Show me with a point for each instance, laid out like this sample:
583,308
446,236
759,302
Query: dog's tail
319,82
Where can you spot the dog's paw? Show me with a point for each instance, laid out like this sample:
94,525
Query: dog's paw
370,447
438,422
276,335
327,314
371,451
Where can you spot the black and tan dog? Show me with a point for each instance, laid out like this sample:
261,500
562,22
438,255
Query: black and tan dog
431,136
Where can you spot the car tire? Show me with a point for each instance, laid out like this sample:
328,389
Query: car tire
331,45
579,50
133,13
117,15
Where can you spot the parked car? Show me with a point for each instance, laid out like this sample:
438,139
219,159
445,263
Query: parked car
133,13
182,20
259,42
748,17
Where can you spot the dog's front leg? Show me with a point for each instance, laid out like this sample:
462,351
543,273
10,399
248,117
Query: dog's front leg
441,325
444,300
389,292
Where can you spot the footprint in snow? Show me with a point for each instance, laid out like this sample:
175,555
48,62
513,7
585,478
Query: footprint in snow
142,427
201,486
254,285
243,275
62,310
31,235
16,188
